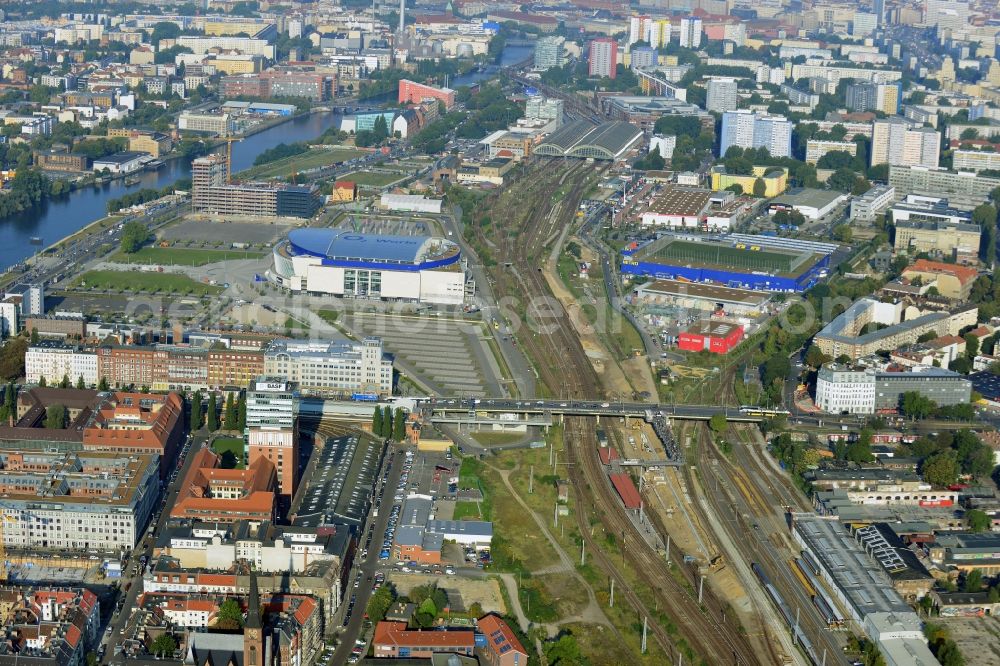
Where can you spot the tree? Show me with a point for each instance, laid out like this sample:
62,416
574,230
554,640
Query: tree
379,603
842,179
977,521
34,336
842,233
940,469
860,450
196,411
759,188
399,425
835,159
42,381
241,411
64,382
229,413
973,581
103,384
163,646
916,406
718,423
564,651
213,413
969,133
164,30
815,357
10,395
381,129
80,384
736,189
426,613
230,613
377,421
55,417
134,234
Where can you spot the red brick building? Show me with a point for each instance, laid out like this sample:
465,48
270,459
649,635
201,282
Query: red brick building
393,640
413,92
138,423
718,337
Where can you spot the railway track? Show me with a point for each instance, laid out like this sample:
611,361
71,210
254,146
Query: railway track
563,366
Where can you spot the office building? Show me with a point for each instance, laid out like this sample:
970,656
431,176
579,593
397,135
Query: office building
872,203
550,52
747,129
211,194
272,429
411,92
543,108
92,501
895,141
863,24
219,124
842,389
603,58
393,640
690,32
721,95
338,368
931,225
964,190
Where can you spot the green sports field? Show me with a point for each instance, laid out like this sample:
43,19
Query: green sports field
141,281
169,256
717,255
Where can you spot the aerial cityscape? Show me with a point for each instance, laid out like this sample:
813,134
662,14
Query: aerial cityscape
456,332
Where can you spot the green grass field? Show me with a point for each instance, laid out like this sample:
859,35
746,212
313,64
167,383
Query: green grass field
311,159
170,256
231,444
367,178
136,281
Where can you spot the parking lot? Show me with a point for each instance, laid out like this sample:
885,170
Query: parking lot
340,486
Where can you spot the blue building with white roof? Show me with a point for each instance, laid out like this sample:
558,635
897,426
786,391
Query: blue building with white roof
345,263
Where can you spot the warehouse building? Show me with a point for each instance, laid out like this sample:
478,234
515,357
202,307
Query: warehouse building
343,263
410,203
863,589
733,260
121,163
718,337
702,297
812,203
678,206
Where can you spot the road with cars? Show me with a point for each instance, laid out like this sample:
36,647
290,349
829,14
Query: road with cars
135,566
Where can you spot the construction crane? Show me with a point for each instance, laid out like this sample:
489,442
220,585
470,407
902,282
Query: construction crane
230,140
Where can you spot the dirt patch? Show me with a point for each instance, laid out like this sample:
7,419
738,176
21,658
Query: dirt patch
978,638
486,591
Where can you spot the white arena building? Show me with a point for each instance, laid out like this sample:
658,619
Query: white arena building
344,263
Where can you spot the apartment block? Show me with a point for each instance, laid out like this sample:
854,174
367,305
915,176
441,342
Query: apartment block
895,141
721,95
963,189
747,129
411,92
92,500
603,58
817,148
975,160
54,360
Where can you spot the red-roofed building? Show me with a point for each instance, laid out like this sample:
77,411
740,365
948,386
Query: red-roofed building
49,626
211,493
502,647
392,640
345,190
138,423
951,280
607,454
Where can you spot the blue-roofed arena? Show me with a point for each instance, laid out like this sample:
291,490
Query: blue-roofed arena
342,262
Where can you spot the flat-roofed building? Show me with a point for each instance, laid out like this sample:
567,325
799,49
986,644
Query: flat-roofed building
817,148
677,206
703,297
964,190
844,389
872,203
339,367
55,360
272,429
934,229
81,500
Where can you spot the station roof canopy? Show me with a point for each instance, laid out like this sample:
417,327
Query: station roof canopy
583,139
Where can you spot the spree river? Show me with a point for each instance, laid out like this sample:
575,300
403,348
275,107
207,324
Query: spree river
59,217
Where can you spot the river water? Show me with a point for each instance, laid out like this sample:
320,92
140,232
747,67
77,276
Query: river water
57,218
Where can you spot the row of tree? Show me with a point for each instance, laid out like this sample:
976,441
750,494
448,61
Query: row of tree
388,424
234,412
